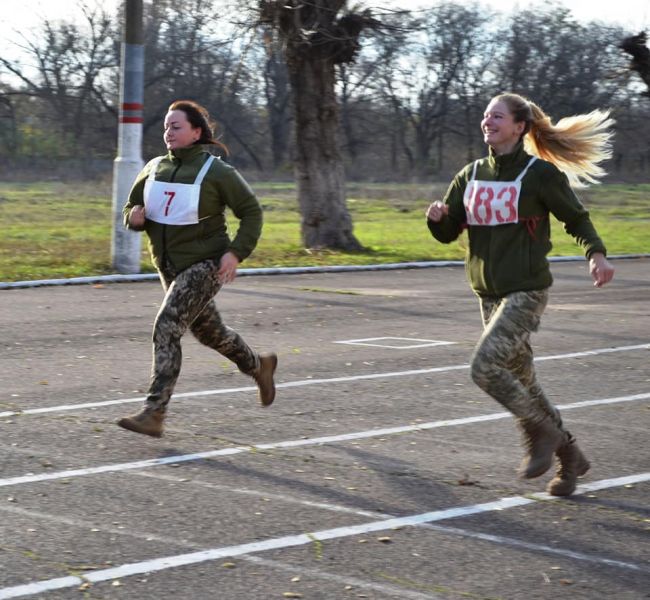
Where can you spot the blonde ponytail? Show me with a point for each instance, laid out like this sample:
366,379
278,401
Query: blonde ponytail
575,145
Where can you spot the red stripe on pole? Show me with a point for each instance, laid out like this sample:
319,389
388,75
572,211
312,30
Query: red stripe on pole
131,106
130,119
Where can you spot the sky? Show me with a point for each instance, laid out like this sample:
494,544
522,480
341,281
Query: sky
631,13
27,14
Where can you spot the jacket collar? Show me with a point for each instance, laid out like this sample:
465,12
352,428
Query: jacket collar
185,154
501,161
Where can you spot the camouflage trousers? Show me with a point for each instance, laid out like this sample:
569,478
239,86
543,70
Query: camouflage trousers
502,364
189,303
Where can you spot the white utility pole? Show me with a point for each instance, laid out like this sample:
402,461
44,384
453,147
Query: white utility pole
125,244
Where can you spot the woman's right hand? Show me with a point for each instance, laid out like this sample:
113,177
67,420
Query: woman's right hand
601,269
436,211
136,216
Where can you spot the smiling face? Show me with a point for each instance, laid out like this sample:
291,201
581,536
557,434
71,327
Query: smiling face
499,128
179,132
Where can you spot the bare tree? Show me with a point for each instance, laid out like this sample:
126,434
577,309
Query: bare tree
358,86
317,38
635,46
191,51
472,88
364,123
432,59
558,62
8,123
412,98
277,93
71,75
392,51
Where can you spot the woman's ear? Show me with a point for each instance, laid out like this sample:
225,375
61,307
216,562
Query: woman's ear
520,127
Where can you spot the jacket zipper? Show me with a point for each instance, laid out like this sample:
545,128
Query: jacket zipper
165,259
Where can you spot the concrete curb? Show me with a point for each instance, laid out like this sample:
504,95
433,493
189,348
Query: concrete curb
278,271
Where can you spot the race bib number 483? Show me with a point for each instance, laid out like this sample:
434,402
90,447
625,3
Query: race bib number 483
492,202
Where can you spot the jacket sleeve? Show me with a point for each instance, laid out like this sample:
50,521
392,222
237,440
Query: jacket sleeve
451,225
136,196
565,206
241,199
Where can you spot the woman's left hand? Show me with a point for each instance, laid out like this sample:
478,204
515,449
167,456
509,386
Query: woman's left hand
228,268
601,269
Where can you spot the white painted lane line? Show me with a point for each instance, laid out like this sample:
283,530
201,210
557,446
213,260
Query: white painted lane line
584,403
39,587
330,439
257,494
111,468
506,541
91,525
593,352
103,403
497,539
294,569
306,382
191,558
386,590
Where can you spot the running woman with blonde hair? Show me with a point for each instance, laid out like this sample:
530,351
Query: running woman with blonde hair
504,201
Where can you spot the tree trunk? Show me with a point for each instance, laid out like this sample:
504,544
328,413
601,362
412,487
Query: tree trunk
326,221
347,122
276,88
422,149
316,39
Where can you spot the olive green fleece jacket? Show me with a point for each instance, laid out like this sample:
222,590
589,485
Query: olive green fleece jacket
510,258
223,186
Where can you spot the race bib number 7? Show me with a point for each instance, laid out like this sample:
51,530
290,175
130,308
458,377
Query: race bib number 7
492,202
170,197
172,203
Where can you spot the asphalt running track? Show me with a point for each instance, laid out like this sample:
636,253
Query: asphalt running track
380,472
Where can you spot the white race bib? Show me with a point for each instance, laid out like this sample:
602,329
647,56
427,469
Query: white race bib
493,202
173,203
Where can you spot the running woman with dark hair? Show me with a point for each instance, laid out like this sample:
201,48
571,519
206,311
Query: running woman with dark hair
179,200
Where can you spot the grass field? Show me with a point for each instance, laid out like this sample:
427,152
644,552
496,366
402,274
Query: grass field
54,229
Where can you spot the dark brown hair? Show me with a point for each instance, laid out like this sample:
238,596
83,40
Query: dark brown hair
199,117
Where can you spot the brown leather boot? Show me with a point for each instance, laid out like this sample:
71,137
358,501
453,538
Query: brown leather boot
572,464
541,441
148,421
264,378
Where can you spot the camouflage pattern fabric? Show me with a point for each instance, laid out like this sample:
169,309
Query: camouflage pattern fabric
189,302
502,364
